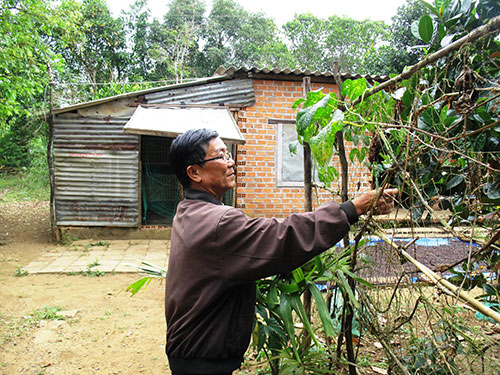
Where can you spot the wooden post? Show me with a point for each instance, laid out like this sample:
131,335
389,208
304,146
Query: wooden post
347,310
56,235
306,87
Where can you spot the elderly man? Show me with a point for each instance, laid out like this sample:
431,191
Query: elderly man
217,253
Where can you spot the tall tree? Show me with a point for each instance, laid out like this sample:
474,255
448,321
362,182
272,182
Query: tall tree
182,24
101,56
348,42
234,36
136,21
27,28
307,35
402,48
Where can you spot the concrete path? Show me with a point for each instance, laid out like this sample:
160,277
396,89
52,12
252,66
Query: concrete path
113,256
116,256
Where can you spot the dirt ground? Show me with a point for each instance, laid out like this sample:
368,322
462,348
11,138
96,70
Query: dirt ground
106,331
103,331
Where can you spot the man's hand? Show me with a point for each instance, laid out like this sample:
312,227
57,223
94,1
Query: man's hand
383,206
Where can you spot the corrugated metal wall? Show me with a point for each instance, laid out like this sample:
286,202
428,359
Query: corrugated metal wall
96,172
97,165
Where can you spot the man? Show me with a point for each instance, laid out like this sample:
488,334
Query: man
217,253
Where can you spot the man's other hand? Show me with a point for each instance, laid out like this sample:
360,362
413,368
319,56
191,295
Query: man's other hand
384,205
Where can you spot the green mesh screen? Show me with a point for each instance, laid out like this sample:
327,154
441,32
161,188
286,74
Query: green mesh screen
160,188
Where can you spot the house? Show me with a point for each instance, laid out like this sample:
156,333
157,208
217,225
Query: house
111,166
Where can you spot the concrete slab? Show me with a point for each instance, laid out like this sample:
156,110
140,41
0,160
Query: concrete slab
112,257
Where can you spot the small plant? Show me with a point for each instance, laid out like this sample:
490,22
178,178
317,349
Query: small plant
47,313
92,272
98,243
20,272
67,239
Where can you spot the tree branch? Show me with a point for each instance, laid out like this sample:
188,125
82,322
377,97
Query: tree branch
492,26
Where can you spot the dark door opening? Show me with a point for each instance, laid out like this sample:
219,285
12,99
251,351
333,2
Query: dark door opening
160,188
161,191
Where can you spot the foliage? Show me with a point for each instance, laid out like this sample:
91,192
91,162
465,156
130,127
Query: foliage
401,48
32,182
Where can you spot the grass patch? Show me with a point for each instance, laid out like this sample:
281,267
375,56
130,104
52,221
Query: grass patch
20,272
12,328
32,185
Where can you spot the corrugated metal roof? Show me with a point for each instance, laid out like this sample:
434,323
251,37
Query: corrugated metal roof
200,81
221,74
290,74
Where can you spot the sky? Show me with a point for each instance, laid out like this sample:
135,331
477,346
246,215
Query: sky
284,10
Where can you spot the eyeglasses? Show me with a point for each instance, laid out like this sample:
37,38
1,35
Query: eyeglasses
226,157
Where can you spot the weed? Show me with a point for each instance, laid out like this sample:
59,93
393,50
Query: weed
47,313
67,238
11,328
20,272
99,243
29,183
91,272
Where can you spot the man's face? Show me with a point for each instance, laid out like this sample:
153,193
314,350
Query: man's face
217,176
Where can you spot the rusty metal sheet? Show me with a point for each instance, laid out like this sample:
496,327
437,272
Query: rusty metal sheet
96,187
238,92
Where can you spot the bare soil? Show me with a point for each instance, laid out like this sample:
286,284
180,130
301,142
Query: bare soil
107,331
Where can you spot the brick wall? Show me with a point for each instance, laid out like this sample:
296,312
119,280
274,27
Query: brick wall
257,193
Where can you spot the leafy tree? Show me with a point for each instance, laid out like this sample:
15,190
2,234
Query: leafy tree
234,36
402,48
177,43
349,41
136,21
307,35
101,55
26,51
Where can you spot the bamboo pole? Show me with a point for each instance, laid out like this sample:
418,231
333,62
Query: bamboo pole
440,281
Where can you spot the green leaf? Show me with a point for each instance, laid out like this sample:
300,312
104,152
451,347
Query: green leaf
323,312
322,145
298,102
135,287
298,306
289,288
425,28
455,181
319,111
286,315
493,190
347,288
354,89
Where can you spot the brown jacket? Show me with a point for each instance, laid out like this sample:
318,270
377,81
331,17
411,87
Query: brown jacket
217,252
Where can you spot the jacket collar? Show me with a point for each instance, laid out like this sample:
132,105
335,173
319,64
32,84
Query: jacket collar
200,195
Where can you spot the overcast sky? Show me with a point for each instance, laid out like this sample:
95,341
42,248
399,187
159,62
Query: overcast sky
284,10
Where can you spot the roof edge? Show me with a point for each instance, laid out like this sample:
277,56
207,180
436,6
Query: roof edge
196,82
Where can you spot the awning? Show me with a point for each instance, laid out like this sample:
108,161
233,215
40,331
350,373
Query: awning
172,121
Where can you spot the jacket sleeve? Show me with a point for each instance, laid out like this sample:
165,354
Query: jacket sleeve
253,248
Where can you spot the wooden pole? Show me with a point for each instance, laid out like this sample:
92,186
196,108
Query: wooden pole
306,87
56,237
344,166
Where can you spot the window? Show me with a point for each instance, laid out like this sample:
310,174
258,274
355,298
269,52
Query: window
289,168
